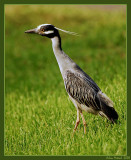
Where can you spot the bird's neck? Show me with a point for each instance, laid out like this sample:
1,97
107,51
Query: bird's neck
63,60
56,43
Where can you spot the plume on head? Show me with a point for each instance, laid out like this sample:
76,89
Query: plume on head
72,33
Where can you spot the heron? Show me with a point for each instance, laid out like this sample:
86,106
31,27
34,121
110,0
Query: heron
81,88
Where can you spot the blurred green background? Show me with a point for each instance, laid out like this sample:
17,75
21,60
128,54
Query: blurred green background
39,117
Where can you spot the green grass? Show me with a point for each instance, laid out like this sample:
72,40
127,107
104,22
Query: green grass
39,117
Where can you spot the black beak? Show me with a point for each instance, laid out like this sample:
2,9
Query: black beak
31,31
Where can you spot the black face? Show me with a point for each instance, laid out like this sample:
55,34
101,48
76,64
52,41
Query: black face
47,27
48,30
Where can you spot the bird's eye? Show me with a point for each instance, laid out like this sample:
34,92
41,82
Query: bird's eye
42,29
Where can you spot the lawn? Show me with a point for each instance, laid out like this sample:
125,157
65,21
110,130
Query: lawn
39,117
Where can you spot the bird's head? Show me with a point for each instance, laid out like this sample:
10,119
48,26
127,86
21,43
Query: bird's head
48,30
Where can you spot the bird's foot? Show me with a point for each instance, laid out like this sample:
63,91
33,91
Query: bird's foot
73,132
85,128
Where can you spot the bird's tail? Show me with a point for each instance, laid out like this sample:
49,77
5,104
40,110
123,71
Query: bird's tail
107,108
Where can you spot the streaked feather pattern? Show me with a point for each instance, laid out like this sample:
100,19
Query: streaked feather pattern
81,90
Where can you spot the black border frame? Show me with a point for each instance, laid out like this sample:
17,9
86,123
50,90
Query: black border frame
2,3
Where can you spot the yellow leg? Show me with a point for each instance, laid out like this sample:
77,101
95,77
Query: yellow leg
84,122
78,120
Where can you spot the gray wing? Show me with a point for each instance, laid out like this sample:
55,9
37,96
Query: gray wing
87,78
82,89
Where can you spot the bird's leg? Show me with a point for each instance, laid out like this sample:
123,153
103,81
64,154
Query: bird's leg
84,122
78,120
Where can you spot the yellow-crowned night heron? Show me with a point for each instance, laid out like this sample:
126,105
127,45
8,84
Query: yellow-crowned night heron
82,90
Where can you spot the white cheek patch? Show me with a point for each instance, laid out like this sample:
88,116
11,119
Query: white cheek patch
48,32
